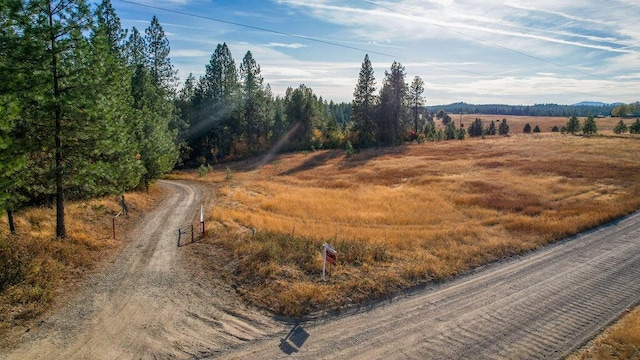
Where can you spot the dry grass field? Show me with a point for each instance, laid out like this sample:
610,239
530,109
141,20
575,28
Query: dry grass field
39,270
405,216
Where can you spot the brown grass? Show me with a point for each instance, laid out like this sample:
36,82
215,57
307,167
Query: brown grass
620,341
38,269
404,216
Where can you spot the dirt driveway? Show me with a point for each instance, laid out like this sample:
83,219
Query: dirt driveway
146,306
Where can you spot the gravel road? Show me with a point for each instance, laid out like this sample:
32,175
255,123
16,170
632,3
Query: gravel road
540,306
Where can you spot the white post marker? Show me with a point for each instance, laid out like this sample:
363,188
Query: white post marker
330,255
202,219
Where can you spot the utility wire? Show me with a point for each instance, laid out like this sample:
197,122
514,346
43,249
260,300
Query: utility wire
298,36
491,43
326,42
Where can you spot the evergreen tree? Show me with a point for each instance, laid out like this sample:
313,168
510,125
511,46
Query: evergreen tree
503,129
303,116
254,102
67,106
589,127
153,108
620,127
217,125
109,22
555,128
635,127
527,128
363,105
12,151
476,128
573,126
492,128
136,50
161,70
416,100
393,106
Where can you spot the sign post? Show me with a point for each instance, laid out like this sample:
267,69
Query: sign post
329,255
202,219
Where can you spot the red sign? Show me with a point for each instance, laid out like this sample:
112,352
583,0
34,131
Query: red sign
331,257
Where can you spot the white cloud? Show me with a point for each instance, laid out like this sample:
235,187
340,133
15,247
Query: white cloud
287,46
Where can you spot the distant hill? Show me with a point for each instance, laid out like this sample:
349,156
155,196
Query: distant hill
579,109
592,103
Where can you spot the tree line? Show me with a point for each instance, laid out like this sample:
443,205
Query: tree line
528,110
86,107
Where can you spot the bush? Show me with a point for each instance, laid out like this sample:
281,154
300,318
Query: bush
536,129
348,149
527,129
229,174
555,128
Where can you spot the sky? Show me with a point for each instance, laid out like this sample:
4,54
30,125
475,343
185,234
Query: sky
482,52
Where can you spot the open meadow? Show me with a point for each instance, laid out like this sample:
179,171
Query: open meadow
405,216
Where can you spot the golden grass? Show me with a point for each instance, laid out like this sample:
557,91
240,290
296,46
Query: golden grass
38,268
403,216
620,341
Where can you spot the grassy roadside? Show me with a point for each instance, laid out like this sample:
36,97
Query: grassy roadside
619,341
408,215
39,270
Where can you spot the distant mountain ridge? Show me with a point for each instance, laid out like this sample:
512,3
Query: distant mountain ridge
595,103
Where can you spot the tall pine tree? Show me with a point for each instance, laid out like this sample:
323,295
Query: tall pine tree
363,105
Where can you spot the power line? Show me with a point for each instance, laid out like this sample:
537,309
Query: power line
298,36
491,43
331,43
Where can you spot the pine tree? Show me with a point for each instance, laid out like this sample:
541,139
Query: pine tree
476,129
620,127
153,112
416,100
573,125
109,22
536,129
589,127
254,101
492,128
363,105
393,99
503,129
161,70
527,128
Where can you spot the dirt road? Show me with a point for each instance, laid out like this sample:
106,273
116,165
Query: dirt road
539,306
145,305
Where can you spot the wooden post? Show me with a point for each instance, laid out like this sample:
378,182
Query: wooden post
113,226
179,233
191,232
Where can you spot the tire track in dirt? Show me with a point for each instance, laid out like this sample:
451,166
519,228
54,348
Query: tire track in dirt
539,306
145,305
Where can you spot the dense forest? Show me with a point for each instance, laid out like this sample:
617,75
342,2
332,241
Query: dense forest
88,108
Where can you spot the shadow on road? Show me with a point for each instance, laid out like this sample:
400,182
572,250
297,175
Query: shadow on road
294,340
